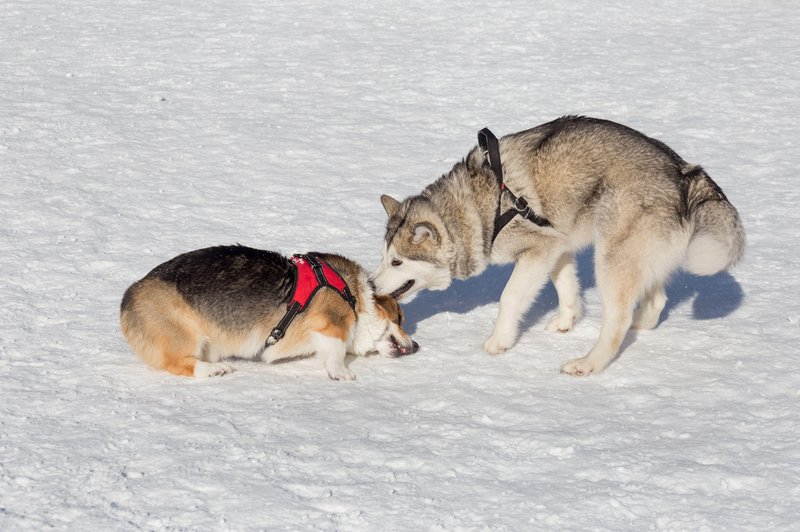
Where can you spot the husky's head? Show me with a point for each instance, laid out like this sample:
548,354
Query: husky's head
415,253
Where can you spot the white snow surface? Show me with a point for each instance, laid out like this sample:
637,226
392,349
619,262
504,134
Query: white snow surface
133,131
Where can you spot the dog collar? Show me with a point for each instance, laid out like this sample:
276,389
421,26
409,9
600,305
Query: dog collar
310,274
519,206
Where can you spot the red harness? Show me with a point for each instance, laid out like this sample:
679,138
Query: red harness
311,274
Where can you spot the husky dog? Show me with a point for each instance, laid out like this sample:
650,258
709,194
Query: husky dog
201,307
647,211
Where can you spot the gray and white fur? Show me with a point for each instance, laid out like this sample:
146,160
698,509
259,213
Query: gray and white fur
647,211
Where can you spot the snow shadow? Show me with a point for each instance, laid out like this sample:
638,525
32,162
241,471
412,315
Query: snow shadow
460,298
715,296
464,296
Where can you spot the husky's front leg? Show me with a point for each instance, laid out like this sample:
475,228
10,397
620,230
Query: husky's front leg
529,275
332,351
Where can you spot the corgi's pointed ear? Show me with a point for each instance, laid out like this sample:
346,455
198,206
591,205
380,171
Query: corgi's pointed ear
390,205
424,230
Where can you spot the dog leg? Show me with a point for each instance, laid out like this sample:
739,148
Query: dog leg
650,307
565,280
617,317
528,277
332,351
619,280
176,349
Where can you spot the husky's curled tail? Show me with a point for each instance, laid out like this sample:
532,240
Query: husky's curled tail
718,240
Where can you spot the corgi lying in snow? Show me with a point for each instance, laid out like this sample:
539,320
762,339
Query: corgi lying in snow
189,314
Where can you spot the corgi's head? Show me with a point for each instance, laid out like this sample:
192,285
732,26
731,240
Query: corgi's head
392,341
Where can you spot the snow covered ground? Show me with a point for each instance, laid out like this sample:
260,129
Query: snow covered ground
132,131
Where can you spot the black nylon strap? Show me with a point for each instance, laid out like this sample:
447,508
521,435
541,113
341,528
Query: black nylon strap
316,267
519,206
280,330
491,149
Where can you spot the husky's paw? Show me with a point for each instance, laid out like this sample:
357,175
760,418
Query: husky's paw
580,367
495,346
341,374
211,369
561,323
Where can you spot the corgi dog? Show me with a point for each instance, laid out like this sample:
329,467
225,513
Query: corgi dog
191,313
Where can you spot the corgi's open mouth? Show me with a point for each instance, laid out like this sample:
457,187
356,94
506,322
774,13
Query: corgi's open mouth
399,350
397,294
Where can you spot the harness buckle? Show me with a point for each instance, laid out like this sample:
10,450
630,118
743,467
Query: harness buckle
275,336
521,206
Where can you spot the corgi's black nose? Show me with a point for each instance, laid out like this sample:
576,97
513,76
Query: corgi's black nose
399,350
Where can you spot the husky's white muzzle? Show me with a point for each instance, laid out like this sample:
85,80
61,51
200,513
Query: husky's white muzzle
402,278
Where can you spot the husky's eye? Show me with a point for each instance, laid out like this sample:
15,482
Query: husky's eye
396,262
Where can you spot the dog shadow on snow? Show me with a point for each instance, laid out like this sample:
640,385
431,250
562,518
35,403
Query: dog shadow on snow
714,297
463,296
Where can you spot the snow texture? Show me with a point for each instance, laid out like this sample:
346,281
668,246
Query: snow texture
133,131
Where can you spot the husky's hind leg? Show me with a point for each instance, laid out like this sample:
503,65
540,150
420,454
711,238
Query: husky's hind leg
565,280
629,265
619,288
623,256
650,307
527,279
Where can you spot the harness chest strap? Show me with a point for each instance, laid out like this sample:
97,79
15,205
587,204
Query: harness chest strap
519,206
311,273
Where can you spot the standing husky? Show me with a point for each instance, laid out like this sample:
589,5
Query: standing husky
585,180
207,305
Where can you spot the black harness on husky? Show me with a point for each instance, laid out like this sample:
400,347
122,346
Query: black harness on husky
519,206
310,274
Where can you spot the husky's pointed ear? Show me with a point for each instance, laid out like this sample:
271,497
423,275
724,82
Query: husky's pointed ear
390,205
424,230
475,160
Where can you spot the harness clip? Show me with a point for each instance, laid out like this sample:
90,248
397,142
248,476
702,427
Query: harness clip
521,206
275,336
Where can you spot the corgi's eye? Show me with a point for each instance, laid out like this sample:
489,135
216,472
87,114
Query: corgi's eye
396,262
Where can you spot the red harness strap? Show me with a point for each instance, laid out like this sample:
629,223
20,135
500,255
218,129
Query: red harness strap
311,273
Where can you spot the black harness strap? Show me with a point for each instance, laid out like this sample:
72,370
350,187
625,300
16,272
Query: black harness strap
297,306
519,206
280,329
